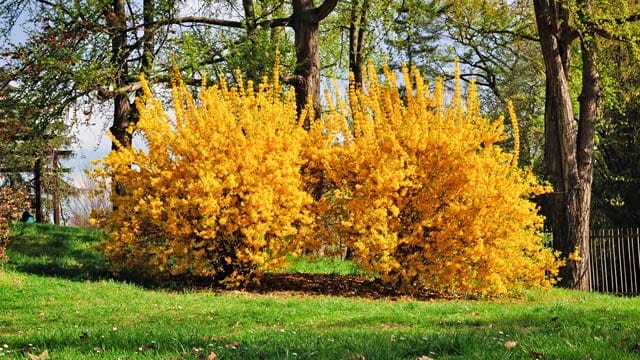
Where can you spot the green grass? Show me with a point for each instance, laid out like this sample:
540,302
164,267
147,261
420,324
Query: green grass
65,252
322,266
75,314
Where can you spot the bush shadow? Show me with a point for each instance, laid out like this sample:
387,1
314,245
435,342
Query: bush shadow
56,251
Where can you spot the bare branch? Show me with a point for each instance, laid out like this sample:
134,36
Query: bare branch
202,20
104,94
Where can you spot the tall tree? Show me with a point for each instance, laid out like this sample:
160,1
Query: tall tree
570,135
305,20
29,141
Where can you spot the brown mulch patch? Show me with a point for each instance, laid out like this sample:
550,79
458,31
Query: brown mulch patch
307,284
333,285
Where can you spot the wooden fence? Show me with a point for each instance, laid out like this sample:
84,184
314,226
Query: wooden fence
615,261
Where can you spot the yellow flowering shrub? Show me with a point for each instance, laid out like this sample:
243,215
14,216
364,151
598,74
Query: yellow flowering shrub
415,186
217,190
422,193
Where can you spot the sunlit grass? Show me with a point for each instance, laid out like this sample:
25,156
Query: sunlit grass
77,317
317,265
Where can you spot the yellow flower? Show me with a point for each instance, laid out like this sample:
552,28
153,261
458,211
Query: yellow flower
575,255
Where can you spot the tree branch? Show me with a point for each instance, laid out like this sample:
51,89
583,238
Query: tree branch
104,95
202,20
316,15
293,80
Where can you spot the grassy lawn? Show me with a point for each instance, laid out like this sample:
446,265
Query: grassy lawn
55,296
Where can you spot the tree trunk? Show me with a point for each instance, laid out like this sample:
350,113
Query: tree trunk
122,108
56,188
305,21
148,54
357,31
37,184
568,150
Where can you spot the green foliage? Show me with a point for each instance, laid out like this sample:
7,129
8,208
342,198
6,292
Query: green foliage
616,200
322,265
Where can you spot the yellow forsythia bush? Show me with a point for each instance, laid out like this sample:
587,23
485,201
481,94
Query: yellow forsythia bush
419,189
216,192
415,186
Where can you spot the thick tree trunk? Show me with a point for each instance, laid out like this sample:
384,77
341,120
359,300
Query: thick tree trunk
122,108
305,21
568,150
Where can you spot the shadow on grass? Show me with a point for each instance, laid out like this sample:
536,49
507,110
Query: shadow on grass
70,253
58,251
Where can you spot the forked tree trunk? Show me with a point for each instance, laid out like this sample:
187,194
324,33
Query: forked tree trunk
569,142
305,22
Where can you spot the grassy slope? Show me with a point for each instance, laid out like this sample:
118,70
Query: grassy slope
73,317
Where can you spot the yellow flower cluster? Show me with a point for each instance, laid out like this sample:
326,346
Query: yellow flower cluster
415,186
216,191
421,192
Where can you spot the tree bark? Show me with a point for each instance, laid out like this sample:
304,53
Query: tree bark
37,184
305,22
122,108
357,31
148,45
56,188
568,144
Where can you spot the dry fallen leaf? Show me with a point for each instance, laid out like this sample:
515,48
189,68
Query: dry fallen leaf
510,344
145,347
621,344
212,356
536,355
43,356
424,357
232,345
199,354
